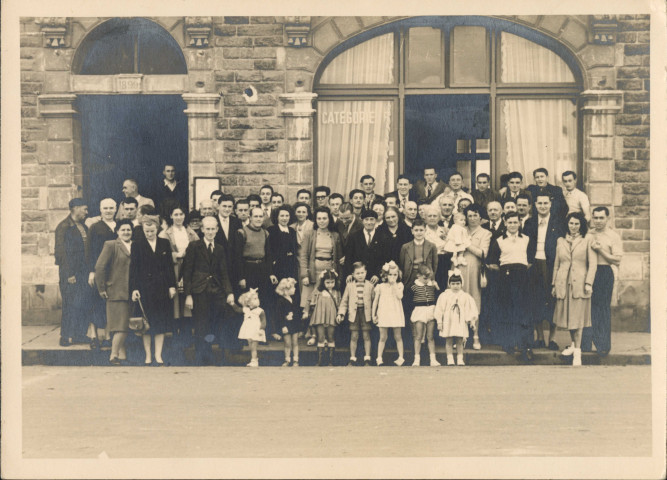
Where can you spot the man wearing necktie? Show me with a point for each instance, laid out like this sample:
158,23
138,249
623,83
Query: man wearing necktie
367,246
543,230
368,186
207,287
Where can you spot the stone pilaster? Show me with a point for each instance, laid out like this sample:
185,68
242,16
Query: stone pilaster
600,108
298,112
202,112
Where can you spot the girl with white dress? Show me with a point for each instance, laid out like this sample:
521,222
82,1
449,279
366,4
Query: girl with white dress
253,328
388,310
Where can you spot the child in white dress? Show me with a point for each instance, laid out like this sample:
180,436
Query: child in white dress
388,310
455,310
458,240
253,328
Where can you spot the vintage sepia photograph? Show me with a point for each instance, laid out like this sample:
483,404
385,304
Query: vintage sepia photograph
367,243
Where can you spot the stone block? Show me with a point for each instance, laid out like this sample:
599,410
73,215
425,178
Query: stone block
252,157
633,25
262,179
575,34
260,30
60,174
33,135
633,72
58,198
368,21
626,37
306,59
233,42
58,60
268,123
630,246
299,128
296,78
623,223
30,88
201,128
29,203
253,146
225,77
601,194
202,81
300,150
202,151
637,49
28,112
60,152
57,82
636,188
529,19
630,200
599,125
246,168
230,147
237,20
629,155
271,76
33,216
599,147
225,30
264,52
230,180
51,274
236,112
633,212
347,26
274,41
600,171
632,235
642,224
632,131
32,269
618,195
229,134
262,112
631,267
275,135
643,108
237,52
59,129
598,55
635,142
632,165
236,64
198,59
263,20
634,61
240,123
255,134
248,76
234,100
325,37
300,173
202,169
628,119
634,97
269,64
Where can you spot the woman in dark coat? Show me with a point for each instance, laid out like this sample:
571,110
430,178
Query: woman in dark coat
395,231
153,281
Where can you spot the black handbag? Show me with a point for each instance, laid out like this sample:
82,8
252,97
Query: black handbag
139,323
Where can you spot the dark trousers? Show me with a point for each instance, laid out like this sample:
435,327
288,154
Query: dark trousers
76,311
600,330
208,317
516,328
489,321
543,303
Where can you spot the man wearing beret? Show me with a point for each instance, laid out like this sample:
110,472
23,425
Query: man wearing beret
72,252
368,246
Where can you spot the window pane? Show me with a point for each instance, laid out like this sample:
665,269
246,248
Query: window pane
371,62
353,141
523,61
470,62
537,133
425,56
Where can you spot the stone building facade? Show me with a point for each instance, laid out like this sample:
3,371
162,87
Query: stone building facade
273,138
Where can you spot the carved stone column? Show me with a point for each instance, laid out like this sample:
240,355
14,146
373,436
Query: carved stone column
600,108
298,112
202,112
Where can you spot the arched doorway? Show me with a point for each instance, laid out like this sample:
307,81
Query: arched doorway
132,129
469,94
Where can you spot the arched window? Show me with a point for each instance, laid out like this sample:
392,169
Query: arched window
469,94
129,45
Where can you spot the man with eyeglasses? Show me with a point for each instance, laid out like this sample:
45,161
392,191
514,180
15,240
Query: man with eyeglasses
322,196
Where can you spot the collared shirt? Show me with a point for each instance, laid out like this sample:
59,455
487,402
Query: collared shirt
128,245
283,229
224,224
402,201
369,236
523,220
209,245
542,224
170,185
181,238
513,249
610,241
111,224
153,244
495,224
577,201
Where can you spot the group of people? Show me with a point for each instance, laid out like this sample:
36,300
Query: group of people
503,267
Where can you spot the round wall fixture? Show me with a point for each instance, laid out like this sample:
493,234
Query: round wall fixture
250,94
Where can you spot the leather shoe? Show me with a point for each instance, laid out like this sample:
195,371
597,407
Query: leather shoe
64,342
553,346
527,356
539,344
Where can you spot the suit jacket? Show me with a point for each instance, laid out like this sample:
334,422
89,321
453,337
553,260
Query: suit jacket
412,196
99,233
112,271
349,300
71,253
396,241
152,273
307,255
204,272
558,204
575,265
498,232
368,203
373,256
420,189
343,231
407,259
168,198
507,195
484,198
231,246
555,230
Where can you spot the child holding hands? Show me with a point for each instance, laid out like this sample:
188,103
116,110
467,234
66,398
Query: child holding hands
423,316
388,310
359,296
454,311
253,328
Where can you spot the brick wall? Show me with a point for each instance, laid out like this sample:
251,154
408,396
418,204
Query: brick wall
632,166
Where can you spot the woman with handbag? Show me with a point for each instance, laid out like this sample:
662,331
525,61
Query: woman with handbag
153,281
112,272
480,239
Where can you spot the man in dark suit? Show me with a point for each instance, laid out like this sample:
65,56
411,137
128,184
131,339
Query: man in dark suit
367,183
72,252
514,180
206,286
347,222
489,329
172,193
367,246
495,225
544,229
484,194
558,204
404,192
430,188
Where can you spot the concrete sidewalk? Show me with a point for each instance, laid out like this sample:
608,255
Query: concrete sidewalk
40,347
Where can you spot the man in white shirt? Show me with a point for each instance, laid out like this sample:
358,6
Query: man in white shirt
242,211
335,201
410,212
577,201
131,189
456,190
265,194
446,204
523,208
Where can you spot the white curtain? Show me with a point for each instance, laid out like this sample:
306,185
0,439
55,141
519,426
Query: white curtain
371,62
353,140
539,133
526,62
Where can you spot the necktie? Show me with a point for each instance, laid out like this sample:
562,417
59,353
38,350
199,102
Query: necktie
368,238
542,222
428,191
493,226
210,248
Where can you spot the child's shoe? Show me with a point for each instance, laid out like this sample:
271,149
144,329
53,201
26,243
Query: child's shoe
476,345
417,361
378,361
459,359
399,361
450,360
434,361
569,350
253,363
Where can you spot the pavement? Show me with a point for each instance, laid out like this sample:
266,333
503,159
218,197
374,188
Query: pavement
40,347
403,413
